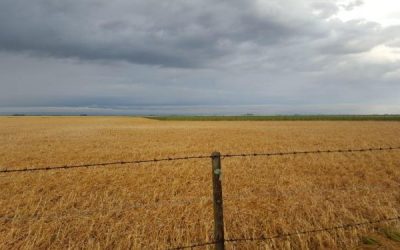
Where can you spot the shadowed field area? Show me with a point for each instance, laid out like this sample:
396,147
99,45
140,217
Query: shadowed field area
168,204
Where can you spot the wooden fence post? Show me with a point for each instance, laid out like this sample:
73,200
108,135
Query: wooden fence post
218,206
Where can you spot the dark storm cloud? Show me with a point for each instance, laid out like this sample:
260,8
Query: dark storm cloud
178,33
166,33
98,53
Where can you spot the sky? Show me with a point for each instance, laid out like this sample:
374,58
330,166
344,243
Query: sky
200,56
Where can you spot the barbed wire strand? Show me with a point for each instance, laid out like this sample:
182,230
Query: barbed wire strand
288,235
6,170
35,169
311,152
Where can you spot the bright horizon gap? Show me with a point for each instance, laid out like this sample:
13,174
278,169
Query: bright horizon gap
267,110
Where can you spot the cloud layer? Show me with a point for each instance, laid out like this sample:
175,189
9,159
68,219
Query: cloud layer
123,52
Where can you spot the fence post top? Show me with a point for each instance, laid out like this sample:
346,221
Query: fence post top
215,154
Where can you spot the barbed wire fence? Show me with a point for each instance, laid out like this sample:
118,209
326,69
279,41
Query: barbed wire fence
5,170
288,235
219,240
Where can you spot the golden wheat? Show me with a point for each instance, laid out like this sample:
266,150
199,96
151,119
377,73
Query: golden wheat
168,204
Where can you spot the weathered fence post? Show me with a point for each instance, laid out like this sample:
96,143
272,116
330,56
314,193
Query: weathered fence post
218,206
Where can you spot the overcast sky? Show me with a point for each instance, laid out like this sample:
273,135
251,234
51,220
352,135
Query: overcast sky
200,56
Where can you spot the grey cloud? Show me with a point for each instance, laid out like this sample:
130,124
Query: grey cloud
98,53
353,4
352,37
166,33
325,9
187,34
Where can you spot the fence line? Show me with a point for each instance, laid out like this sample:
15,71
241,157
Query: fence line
311,152
288,235
134,162
6,170
219,239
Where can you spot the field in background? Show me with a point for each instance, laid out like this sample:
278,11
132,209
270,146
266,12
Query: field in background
280,118
163,205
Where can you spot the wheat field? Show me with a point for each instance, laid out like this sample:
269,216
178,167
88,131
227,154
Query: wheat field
168,204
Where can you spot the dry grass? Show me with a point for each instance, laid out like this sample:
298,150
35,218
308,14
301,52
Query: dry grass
162,205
